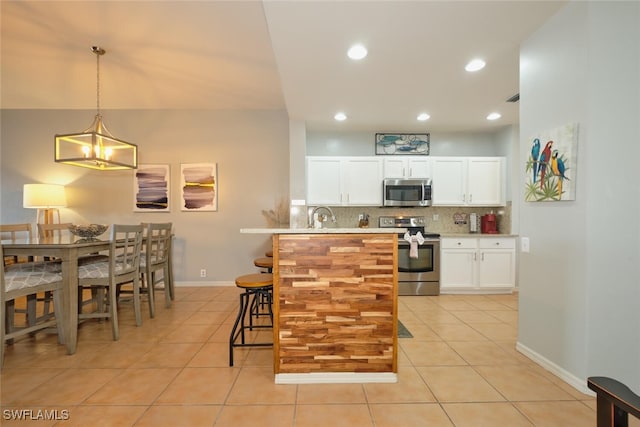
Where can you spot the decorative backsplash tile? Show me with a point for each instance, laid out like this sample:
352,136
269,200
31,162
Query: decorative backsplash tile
440,219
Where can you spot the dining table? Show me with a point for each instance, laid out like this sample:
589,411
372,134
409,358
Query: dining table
67,249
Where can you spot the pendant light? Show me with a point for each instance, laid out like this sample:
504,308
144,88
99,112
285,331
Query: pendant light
96,147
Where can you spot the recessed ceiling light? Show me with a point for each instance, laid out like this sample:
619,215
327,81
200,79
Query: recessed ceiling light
475,65
423,116
494,116
357,52
340,117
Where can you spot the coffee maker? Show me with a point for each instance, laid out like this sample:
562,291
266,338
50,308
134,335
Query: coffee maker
488,224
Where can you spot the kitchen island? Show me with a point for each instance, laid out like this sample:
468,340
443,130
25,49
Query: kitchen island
335,305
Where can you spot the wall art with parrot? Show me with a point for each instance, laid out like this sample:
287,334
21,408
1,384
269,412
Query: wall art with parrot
551,165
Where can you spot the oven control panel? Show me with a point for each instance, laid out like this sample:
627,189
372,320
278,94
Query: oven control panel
401,221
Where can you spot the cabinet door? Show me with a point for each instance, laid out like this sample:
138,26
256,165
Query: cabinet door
419,167
395,167
485,181
449,181
457,269
324,181
497,268
362,181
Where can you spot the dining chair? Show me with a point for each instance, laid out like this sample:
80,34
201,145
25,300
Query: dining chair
122,267
53,230
16,232
58,231
24,279
155,258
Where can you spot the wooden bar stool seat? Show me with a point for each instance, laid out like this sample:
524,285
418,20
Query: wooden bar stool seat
264,263
269,254
258,293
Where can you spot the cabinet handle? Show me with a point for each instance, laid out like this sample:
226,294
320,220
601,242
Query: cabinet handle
497,243
482,256
470,197
459,243
410,172
475,256
404,172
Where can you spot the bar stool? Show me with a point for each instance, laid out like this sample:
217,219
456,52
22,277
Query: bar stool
257,287
269,254
264,263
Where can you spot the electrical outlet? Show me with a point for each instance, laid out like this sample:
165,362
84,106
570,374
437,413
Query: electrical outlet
203,273
436,217
524,244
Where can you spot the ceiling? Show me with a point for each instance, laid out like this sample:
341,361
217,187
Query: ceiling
274,55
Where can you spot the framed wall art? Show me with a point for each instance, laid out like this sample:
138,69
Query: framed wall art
551,165
151,188
199,187
402,143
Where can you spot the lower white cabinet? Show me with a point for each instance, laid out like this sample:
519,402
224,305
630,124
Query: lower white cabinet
477,264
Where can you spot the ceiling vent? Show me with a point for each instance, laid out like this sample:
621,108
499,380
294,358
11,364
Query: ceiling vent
514,98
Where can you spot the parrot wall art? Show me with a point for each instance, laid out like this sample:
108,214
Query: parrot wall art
551,164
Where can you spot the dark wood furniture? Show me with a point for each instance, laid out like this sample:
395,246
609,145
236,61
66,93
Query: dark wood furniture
615,401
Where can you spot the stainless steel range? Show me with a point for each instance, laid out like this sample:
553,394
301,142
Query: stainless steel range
418,272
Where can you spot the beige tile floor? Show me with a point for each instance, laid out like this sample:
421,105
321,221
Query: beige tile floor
460,369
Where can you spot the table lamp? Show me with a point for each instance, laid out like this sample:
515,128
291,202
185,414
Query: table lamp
47,198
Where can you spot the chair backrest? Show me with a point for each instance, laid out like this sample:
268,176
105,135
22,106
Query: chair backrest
126,246
15,232
2,287
158,243
53,230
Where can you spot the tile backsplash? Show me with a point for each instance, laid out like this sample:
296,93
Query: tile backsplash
440,219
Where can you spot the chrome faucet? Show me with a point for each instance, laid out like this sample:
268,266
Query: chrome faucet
312,211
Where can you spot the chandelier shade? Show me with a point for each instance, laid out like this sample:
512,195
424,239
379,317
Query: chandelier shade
96,147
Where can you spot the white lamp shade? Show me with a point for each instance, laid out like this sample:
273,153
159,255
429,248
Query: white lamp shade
43,196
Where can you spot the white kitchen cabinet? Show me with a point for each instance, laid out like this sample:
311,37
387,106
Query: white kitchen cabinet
344,181
477,265
468,181
407,167
458,264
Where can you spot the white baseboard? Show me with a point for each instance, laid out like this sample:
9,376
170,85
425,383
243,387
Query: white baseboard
337,378
204,284
566,376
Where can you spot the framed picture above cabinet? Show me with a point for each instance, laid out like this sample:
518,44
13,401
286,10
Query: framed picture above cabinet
402,143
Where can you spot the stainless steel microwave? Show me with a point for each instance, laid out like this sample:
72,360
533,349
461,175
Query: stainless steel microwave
406,192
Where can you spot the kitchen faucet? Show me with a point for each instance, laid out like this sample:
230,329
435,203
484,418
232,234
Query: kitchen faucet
313,211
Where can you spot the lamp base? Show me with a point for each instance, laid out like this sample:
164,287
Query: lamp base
48,216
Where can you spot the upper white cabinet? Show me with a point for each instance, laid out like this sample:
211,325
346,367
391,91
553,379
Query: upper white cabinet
468,181
407,167
344,181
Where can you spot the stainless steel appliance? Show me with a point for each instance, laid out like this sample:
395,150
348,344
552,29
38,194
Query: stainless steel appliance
406,192
419,275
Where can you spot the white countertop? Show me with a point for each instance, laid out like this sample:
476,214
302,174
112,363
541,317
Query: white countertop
475,235
354,230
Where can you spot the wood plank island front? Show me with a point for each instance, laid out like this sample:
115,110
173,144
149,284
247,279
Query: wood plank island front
335,305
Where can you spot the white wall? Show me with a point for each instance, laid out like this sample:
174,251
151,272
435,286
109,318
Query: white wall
579,291
251,149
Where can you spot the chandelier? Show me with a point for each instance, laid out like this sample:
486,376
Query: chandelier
96,147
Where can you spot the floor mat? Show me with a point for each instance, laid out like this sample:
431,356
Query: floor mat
403,332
